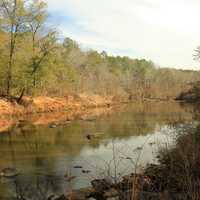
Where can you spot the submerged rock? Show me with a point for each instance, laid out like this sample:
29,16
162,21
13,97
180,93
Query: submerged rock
86,171
54,197
9,172
52,126
101,185
78,167
89,136
94,135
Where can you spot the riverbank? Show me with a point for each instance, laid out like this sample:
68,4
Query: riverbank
191,95
60,113
45,110
44,104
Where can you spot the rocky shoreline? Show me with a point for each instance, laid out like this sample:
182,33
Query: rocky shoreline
131,187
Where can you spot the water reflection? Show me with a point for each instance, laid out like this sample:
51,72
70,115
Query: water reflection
44,153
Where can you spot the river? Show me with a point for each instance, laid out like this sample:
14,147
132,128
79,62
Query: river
52,159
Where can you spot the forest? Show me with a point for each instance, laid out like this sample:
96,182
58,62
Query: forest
35,61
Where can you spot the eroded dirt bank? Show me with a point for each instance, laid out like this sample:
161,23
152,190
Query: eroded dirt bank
46,110
59,113
43,104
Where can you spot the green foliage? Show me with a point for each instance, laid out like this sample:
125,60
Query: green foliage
42,64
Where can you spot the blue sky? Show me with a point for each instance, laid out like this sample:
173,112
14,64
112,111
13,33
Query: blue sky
167,32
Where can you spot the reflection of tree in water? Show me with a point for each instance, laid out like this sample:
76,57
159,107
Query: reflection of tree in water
134,120
38,187
39,141
196,110
34,185
39,147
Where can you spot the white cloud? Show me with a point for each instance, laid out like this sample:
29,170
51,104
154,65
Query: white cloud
165,31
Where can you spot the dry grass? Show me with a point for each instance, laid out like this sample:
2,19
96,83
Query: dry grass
178,171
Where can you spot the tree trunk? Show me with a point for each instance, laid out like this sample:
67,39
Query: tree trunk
21,96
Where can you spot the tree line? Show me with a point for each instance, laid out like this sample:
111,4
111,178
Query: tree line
34,61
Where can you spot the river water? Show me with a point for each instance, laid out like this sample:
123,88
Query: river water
54,159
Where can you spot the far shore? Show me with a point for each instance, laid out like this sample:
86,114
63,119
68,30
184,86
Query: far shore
45,104
44,110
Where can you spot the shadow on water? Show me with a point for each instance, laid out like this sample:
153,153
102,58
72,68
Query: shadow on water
44,154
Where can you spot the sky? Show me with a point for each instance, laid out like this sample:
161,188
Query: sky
164,31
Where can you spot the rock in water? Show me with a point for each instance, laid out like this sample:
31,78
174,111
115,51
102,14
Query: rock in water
53,197
9,172
101,185
52,126
78,167
86,171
